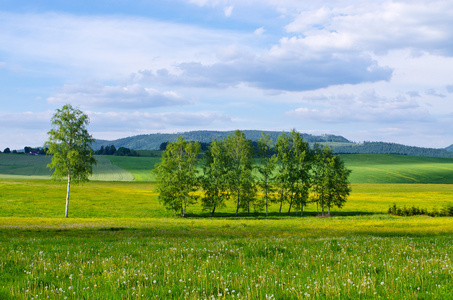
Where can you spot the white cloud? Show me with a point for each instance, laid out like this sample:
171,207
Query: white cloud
260,31
147,122
228,11
104,47
368,107
378,26
122,97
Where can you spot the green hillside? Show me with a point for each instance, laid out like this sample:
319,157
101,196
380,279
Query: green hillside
139,167
153,141
366,168
383,168
35,167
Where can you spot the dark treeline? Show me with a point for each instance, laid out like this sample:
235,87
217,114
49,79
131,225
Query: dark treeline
391,148
285,172
153,141
111,150
27,150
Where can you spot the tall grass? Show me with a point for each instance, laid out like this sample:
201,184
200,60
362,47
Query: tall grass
337,258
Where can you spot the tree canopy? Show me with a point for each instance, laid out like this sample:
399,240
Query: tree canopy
69,144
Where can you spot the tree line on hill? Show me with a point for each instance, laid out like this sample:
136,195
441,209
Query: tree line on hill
111,150
153,141
27,150
285,172
391,148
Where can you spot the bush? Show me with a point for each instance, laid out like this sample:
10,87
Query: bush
446,211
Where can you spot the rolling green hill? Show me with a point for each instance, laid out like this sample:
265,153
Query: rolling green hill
366,168
153,141
35,167
386,168
339,144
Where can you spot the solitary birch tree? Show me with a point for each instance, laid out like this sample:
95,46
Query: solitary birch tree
70,146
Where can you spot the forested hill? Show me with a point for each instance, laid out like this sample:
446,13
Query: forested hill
339,144
153,141
390,148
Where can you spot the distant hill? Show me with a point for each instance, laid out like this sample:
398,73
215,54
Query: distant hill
339,144
391,148
153,141
449,148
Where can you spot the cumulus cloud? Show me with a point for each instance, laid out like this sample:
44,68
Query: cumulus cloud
122,97
378,26
276,72
145,121
368,107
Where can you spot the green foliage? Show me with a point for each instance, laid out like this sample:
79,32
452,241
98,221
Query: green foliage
239,164
330,179
445,211
293,171
266,167
214,181
177,175
70,145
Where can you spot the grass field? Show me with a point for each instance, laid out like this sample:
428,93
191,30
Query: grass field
383,168
366,168
119,243
372,257
41,198
140,167
20,166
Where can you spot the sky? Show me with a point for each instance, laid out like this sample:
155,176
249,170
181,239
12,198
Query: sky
366,70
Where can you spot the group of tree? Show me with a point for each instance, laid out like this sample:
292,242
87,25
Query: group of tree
287,172
27,150
111,150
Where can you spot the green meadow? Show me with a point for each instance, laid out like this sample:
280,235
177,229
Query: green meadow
120,243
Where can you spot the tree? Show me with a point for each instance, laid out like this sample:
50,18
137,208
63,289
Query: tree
7,150
267,166
239,155
177,175
283,168
215,181
299,174
330,180
70,146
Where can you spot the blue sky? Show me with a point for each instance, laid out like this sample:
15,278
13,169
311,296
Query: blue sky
367,70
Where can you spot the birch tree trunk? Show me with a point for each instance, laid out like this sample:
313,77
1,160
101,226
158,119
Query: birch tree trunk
237,207
67,194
